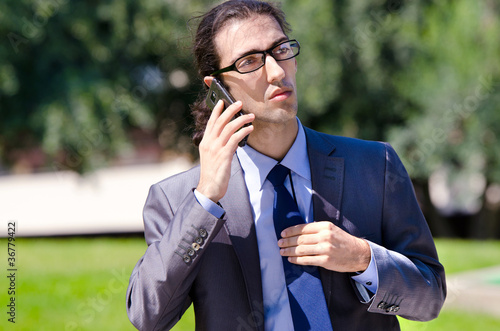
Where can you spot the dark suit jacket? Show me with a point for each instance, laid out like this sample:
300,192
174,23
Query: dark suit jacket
360,186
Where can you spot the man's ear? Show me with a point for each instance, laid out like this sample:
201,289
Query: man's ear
208,80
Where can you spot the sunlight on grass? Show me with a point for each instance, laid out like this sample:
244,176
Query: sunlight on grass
463,255
74,284
454,321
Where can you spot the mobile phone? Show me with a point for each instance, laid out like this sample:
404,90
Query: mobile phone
217,92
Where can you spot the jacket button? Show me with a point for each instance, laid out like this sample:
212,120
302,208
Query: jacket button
191,252
195,246
392,309
199,240
203,233
186,258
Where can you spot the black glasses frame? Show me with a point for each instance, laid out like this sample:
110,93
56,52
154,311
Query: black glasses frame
232,67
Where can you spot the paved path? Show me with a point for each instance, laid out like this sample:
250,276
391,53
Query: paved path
474,291
64,203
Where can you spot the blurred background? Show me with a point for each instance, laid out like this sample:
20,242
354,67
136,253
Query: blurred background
94,108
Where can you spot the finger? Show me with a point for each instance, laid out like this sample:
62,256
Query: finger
226,143
226,116
231,110
219,106
217,123
317,260
239,135
237,124
304,239
292,231
305,250
308,228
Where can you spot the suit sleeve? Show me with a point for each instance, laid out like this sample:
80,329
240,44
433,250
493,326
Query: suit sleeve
158,291
411,279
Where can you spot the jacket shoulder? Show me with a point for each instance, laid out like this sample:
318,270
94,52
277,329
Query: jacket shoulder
347,146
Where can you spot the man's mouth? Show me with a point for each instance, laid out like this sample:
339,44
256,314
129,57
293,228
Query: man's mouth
280,94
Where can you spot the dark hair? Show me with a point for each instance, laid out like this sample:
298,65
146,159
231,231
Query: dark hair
205,52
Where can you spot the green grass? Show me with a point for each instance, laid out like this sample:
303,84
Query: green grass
80,284
454,321
463,255
73,284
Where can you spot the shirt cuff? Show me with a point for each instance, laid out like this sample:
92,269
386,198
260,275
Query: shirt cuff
209,205
369,277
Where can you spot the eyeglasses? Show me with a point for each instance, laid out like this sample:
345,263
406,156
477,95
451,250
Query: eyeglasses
285,50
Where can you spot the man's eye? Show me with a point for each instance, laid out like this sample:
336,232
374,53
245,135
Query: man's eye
248,61
282,51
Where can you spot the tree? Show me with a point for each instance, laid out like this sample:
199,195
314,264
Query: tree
78,78
452,77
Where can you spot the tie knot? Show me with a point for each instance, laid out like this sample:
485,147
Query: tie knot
277,175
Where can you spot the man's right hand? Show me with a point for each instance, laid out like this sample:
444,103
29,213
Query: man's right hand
218,146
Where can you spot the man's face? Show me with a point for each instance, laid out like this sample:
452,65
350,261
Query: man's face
270,92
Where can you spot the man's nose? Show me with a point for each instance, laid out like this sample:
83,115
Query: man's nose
273,70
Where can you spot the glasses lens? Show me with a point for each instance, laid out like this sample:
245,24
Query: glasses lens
250,63
286,50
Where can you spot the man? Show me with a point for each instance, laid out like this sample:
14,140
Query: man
214,234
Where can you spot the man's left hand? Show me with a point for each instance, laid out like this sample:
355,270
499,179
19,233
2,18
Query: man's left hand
324,244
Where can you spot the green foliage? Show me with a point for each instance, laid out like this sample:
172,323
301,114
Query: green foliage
422,75
346,73
77,78
452,79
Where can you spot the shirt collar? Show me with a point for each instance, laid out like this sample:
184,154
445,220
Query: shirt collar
258,165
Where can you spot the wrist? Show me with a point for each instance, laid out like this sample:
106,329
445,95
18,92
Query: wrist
365,255
207,192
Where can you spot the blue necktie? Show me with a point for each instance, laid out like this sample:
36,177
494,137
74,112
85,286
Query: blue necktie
305,292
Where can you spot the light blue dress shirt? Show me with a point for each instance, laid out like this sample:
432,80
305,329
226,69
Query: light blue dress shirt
256,167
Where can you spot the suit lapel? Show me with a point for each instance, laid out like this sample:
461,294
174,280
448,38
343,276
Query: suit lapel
241,229
327,176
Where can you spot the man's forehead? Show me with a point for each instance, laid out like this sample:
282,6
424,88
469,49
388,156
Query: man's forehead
239,37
